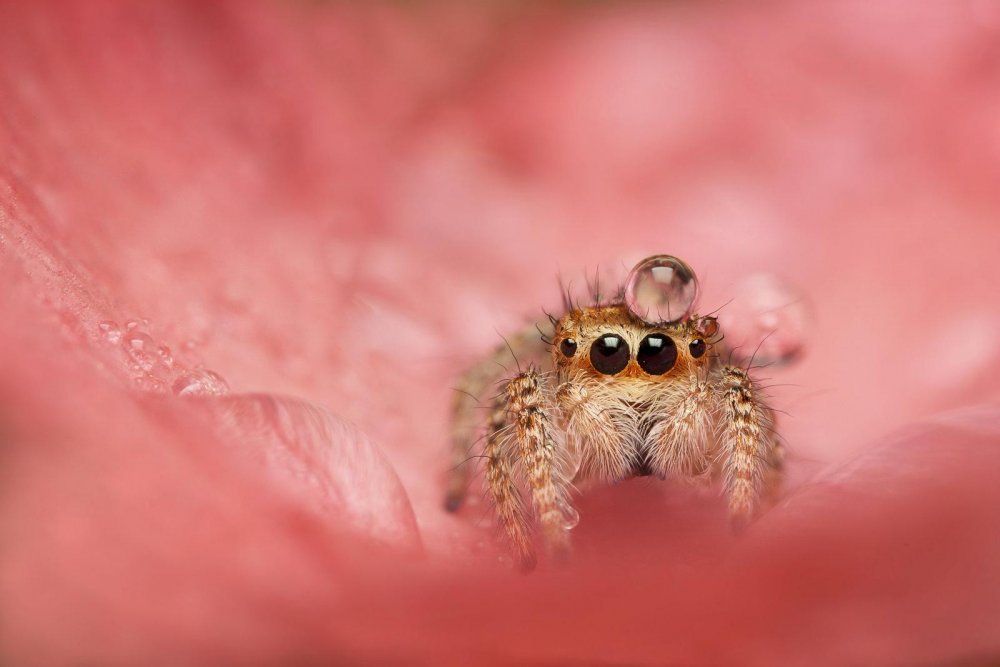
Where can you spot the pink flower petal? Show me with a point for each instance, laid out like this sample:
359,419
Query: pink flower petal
247,248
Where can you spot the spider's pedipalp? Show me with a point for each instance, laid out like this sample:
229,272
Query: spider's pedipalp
607,425
680,437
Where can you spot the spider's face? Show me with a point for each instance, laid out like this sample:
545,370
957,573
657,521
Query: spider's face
610,344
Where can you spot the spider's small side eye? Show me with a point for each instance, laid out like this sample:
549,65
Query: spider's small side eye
657,354
568,347
697,347
609,354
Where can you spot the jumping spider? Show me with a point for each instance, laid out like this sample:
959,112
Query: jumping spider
635,387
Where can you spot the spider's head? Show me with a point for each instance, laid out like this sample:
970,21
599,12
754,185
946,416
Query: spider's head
649,336
610,341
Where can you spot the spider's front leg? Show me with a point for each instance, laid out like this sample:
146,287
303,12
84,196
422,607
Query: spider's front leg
526,344
533,430
751,456
501,486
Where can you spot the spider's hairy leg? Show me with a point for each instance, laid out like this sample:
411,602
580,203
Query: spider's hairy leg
533,426
680,436
466,414
501,486
774,474
748,443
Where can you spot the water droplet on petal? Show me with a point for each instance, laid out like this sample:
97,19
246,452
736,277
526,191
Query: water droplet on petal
661,289
200,382
140,347
570,516
148,382
165,356
766,322
111,331
131,324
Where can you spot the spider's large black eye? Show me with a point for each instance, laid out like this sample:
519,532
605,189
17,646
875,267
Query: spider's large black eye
568,347
657,354
609,354
697,347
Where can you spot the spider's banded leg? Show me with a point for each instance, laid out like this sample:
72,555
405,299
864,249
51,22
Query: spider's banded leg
680,437
466,413
501,486
747,440
774,474
533,431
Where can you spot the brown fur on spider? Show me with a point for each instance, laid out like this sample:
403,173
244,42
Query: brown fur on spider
629,388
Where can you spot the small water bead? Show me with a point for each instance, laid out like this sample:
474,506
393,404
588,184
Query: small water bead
767,320
140,348
147,382
165,356
661,289
571,518
111,332
200,382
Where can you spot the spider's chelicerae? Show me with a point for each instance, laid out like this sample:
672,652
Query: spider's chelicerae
628,388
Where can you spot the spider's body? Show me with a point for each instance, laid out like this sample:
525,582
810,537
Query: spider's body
620,396
614,419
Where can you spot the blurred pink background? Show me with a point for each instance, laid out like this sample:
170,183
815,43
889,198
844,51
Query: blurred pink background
247,247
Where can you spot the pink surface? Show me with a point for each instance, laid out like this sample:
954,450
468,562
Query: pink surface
247,202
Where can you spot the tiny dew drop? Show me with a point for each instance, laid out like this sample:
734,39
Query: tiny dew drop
111,332
148,382
200,382
140,347
165,356
571,518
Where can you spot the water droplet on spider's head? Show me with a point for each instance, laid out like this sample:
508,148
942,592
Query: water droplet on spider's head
661,289
111,332
200,382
